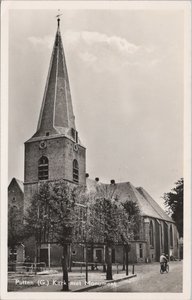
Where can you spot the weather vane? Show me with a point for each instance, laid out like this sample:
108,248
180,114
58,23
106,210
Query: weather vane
57,16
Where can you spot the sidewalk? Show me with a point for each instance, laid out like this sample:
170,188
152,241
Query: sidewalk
53,282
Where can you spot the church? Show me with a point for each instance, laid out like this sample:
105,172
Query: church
56,152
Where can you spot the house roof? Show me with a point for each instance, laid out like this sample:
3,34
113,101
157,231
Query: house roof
125,190
154,205
18,182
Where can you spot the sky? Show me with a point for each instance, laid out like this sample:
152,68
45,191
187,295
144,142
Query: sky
126,73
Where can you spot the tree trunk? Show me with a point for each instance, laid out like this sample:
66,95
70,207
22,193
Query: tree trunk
70,259
109,275
65,268
123,269
92,266
104,259
127,260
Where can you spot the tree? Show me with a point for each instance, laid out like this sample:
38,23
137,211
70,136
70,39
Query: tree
59,210
174,203
52,216
130,230
110,221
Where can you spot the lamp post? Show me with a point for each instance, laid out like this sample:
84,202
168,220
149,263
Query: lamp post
85,241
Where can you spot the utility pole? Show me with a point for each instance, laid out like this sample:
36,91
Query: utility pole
85,240
127,259
86,263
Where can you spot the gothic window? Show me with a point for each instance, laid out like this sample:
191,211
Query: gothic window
75,171
151,234
43,168
171,236
161,232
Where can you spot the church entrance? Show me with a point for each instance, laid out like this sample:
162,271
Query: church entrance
98,255
44,255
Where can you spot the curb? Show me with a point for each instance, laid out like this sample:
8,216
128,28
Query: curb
108,281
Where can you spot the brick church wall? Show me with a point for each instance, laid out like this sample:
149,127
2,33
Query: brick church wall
60,153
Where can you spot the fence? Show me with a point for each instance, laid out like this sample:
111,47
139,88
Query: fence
22,267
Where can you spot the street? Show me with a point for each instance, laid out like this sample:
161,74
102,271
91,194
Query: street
150,280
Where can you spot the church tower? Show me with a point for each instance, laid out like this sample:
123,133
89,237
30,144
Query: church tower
55,152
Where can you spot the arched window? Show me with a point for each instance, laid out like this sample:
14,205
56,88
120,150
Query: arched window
75,171
171,236
43,168
161,233
151,236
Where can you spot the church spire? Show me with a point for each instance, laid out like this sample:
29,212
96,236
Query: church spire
56,115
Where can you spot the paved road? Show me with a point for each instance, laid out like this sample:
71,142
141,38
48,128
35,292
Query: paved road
150,281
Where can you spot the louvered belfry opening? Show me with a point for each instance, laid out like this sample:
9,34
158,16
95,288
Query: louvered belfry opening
43,168
75,171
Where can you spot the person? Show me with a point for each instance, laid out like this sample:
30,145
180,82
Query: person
163,260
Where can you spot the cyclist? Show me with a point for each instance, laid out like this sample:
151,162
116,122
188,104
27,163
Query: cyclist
163,261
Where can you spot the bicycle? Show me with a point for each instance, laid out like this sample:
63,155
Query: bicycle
164,268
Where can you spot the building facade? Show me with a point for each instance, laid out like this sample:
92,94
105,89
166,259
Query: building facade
55,152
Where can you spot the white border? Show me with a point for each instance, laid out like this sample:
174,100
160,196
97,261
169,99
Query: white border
116,5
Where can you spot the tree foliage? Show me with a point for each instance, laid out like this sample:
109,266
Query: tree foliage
52,217
52,213
67,214
174,203
109,221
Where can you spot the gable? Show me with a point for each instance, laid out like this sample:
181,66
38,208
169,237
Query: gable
16,184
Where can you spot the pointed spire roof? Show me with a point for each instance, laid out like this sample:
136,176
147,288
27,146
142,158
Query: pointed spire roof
56,115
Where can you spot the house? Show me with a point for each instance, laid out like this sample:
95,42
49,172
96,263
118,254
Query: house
15,217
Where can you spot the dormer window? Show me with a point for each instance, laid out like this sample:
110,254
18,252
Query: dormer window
74,134
76,137
43,168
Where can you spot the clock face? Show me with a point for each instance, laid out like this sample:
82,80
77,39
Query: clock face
42,145
75,147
